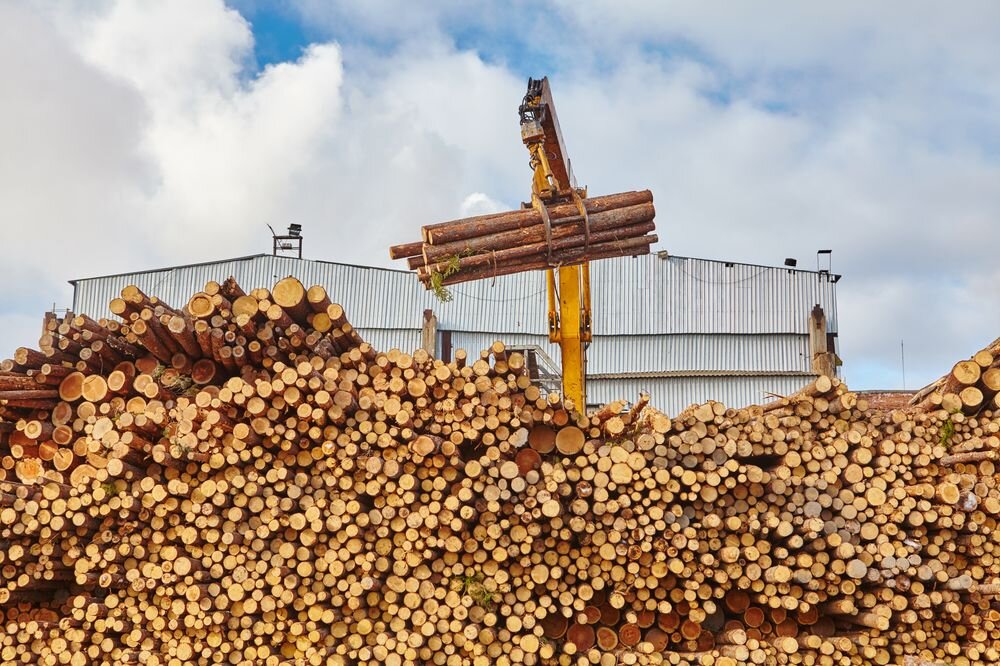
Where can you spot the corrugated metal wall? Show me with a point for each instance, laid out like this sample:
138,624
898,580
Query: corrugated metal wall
651,313
372,297
680,295
673,394
406,339
637,296
782,352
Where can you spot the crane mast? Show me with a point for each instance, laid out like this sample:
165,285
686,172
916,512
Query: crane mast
553,232
568,286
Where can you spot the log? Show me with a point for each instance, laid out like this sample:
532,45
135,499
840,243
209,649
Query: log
406,250
991,380
569,440
505,243
616,224
290,295
562,240
483,225
630,247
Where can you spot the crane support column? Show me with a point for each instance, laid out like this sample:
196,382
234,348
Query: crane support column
570,333
571,344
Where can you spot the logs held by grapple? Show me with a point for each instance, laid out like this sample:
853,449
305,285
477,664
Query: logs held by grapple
504,243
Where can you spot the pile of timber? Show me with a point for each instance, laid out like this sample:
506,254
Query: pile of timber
971,386
486,246
245,480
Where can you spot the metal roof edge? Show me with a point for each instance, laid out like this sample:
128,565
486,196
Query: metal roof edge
657,254
645,334
835,276
654,374
169,268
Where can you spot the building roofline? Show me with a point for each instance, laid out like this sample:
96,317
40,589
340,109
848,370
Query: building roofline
661,254
170,268
665,374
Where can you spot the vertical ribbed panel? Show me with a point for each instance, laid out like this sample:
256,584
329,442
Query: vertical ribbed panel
384,339
631,296
651,294
372,297
645,353
673,394
651,314
477,342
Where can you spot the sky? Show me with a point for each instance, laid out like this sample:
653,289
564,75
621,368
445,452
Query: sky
141,134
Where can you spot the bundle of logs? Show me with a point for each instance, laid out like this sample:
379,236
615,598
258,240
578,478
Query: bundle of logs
475,248
970,387
243,480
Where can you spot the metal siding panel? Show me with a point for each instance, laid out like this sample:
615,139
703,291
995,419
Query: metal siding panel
632,296
384,339
673,394
651,313
651,294
474,342
644,353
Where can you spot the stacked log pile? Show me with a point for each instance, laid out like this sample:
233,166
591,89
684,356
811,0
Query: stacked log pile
245,480
971,386
616,225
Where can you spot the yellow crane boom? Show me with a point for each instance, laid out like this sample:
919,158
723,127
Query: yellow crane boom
569,315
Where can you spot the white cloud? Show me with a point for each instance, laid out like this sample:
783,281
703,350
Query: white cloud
784,34
73,172
478,203
138,137
181,56
232,168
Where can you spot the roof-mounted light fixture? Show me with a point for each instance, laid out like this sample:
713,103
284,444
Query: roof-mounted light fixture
286,245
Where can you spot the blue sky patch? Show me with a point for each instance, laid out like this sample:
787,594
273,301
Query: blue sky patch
278,32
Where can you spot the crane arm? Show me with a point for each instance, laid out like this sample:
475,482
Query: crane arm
569,314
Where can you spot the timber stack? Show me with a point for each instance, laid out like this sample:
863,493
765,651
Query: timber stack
487,246
244,480
971,386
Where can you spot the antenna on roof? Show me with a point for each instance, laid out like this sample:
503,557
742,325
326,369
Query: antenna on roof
285,245
902,360
824,257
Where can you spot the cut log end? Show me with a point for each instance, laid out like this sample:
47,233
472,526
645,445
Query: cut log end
570,440
201,306
71,387
288,293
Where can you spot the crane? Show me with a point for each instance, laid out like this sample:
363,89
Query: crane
559,231
568,286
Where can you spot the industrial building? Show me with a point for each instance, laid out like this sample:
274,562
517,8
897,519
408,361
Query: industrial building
683,329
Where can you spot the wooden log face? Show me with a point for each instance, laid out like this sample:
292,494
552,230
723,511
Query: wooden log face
569,440
542,439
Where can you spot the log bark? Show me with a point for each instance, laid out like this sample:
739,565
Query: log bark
538,250
483,225
630,247
572,233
